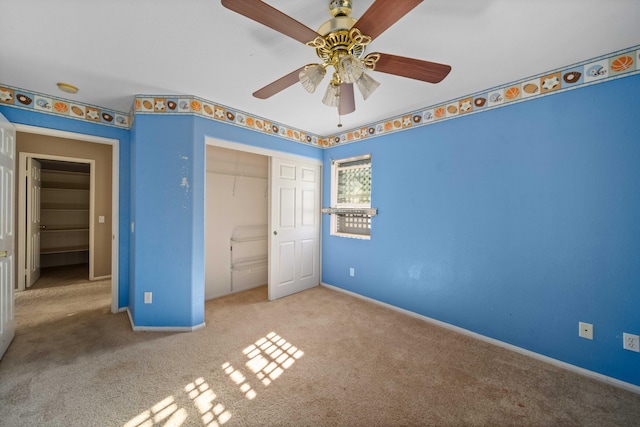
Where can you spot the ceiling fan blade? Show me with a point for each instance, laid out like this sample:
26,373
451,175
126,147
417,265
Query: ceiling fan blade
279,85
347,99
430,72
382,14
267,15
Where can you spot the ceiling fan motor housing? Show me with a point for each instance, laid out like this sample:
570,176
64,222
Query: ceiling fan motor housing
340,7
338,39
336,44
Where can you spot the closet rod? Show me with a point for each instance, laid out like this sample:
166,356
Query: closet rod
241,174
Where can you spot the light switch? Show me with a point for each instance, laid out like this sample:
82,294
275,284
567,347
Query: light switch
101,219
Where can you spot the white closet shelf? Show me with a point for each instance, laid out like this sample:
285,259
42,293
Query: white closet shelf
66,229
64,187
239,174
250,264
64,250
64,207
248,239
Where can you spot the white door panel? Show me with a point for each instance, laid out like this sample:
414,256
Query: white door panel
308,258
308,175
286,253
295,238
7,159
308,208
287,172
287,208
34,184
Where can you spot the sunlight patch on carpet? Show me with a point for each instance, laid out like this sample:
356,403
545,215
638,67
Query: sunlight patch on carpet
168,413
270,356
238,378
212,414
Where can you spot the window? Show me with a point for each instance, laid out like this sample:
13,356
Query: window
351,188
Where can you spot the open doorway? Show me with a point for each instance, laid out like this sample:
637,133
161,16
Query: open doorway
81,198
237,189
58,204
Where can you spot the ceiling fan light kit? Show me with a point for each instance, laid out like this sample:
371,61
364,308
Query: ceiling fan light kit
332,95
350,69
341,43
311,76
366,85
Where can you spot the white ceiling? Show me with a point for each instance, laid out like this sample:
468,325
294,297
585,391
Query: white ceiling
115,49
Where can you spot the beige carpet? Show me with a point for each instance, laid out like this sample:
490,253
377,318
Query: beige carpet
62,276
317,358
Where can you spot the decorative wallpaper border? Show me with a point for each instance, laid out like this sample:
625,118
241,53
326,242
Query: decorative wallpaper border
30,100
615,65
172,105
618,64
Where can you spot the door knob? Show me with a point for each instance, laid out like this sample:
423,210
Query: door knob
275,233
42,227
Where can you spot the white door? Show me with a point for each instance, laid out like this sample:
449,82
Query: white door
7,153
34,182
294,240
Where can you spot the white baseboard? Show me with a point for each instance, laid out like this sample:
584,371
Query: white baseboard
162,328
576,369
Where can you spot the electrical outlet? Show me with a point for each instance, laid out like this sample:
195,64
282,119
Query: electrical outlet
148,297
585,330
631,342
352,272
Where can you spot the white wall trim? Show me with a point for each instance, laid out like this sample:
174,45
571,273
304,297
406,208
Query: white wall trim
162,328
63,134
573,368
115,192
258,150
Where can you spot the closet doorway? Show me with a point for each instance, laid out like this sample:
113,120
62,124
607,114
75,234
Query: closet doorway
237,190
262,220
56,203
84,167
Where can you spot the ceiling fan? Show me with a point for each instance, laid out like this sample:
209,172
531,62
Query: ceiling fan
341,43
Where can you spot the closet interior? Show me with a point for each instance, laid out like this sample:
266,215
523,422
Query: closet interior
64,213
237,194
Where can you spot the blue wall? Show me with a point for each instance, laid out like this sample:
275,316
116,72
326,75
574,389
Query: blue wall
164,194
167,209
33,118
516,223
